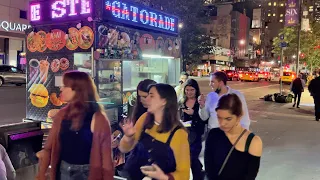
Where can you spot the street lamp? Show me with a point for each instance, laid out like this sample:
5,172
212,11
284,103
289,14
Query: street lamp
242,42
180,25
294,56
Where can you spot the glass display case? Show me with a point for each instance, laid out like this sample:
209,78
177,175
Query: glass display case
108,79
160,69
109,84
117,79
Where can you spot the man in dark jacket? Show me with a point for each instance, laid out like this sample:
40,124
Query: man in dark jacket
314,89
297,87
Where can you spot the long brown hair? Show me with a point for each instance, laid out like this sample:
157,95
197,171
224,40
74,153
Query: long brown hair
138,108
170,112
85,99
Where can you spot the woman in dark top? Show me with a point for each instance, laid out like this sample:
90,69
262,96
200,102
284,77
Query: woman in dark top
79,144
136,107
189,114
140,105
244,160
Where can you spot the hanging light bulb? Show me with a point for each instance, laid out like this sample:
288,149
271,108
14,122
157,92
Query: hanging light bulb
90,19
79,25
66,37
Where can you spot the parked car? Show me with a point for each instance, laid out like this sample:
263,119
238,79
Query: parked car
232,74
11,75
249,76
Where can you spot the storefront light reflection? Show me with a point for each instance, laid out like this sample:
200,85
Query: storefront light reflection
156,56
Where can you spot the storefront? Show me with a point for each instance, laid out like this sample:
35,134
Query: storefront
12,43
118,44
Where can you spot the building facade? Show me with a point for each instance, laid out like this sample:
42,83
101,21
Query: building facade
13,22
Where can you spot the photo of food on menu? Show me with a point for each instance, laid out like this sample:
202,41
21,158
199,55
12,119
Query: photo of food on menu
50,54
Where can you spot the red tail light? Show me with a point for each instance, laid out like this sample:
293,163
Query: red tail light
292,76
229,74
251,76
265,74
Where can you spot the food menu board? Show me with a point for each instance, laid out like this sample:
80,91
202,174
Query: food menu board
57,39
120,42
50,53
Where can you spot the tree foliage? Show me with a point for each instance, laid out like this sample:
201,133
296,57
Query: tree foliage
290,37
191,14
309,44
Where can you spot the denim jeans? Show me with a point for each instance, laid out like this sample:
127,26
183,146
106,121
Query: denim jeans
73,172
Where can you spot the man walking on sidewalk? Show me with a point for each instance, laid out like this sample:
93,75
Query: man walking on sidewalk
314,89
297,87
218,83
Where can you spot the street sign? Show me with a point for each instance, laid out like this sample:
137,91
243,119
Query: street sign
283,44
281,36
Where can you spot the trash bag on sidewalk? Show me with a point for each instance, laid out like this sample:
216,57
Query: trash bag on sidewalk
281,99
289,98
268,97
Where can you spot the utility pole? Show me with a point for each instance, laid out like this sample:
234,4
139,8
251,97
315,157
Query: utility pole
281,70
299,36
282,45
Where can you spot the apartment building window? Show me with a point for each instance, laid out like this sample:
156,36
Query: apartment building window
281,4
275,4
269,4
281,20
269,14
23,14
281,15
274,14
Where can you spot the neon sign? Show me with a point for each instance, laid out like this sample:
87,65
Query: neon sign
46,11
130,14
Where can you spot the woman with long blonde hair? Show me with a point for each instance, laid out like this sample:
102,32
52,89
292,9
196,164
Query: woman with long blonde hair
79,144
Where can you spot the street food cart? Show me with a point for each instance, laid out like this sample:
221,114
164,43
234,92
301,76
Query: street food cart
119,43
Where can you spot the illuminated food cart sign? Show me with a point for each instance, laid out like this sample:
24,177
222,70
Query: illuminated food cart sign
134,15
59,10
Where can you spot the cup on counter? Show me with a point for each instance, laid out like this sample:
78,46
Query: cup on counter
33,68
44,69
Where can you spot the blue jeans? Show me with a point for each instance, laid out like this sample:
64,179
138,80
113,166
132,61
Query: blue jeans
73,172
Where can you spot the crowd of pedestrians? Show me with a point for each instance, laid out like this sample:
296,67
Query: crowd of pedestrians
297,87
162,134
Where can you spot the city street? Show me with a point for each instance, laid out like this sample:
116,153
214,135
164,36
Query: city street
12,104
290,135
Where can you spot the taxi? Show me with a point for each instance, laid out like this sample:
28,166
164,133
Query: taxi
249,76
288,77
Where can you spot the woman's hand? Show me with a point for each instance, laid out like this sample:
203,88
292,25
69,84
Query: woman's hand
189,111
127,127
40,155
156,174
